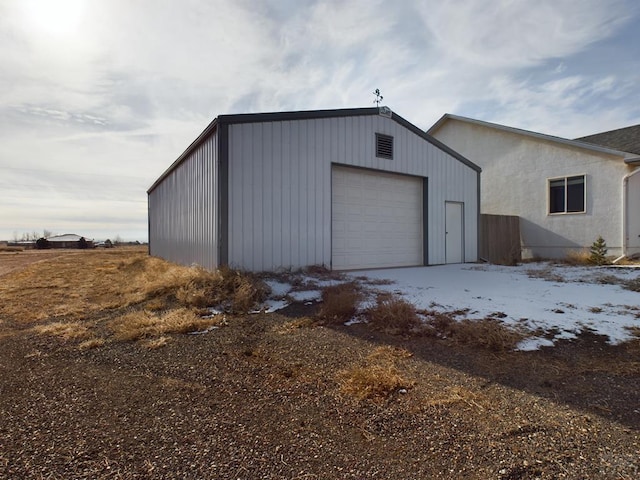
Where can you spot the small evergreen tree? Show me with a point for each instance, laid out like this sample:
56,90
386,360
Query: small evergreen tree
598,252
82,243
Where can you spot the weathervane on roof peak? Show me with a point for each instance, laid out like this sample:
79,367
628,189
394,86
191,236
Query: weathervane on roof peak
379,97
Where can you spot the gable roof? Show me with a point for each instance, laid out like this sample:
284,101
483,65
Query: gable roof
67,237
629,157
626,139
224,120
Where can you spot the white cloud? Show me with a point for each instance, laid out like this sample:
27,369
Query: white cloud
126,88
519,33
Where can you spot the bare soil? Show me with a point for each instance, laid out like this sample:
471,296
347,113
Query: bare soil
260,396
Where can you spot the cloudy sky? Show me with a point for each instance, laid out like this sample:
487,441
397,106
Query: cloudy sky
98,97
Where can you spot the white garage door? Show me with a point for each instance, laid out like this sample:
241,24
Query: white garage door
376,219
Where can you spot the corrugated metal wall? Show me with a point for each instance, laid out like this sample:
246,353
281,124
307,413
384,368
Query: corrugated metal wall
183,224
280,186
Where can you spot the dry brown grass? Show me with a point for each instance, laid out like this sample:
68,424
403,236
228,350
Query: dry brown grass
578,257
90,343
545,273
238,292
78,284
635,332
64,330
489,333
452,395
293,325
378,377
5,249
144,324
339,303
393,315
633,285
144,297
154,343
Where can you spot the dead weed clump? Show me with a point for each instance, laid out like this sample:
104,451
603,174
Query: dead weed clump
339,303
159,282
91,343
294,325
64,330
379,376
633,285
489,333
393,315
578,258
154,343
237,292
547,273
144,324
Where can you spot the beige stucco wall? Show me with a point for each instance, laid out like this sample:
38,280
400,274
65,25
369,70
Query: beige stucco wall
515,173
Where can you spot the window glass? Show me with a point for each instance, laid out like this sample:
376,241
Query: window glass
566,195
575,194
556,196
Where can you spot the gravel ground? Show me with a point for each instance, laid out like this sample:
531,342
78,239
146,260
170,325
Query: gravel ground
260,398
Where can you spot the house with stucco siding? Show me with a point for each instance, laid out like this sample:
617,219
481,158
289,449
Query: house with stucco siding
566,192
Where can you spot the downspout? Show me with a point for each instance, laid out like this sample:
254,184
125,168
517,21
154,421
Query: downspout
625,213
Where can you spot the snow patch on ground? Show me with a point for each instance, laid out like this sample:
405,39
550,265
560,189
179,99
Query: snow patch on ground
552,301
552,298
278,289
306,296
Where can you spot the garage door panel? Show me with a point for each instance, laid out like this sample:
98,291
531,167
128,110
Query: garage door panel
376,219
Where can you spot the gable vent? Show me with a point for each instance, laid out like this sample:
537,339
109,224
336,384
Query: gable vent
384,146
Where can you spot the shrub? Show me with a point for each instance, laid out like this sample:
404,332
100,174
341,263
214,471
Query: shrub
393,315
339,303
598,251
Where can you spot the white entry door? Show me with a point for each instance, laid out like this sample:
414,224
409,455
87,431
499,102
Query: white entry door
376,219
454,228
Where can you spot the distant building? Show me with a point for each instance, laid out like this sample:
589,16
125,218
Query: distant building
69,240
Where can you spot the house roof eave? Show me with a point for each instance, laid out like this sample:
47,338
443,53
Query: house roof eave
541,136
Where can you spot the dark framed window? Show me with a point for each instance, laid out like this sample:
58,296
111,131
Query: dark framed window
384,146
567,194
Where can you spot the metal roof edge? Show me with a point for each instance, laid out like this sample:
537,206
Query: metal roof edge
201,138
240,118
296,115
519,131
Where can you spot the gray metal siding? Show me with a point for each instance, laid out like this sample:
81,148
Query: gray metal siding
183,220
280,186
